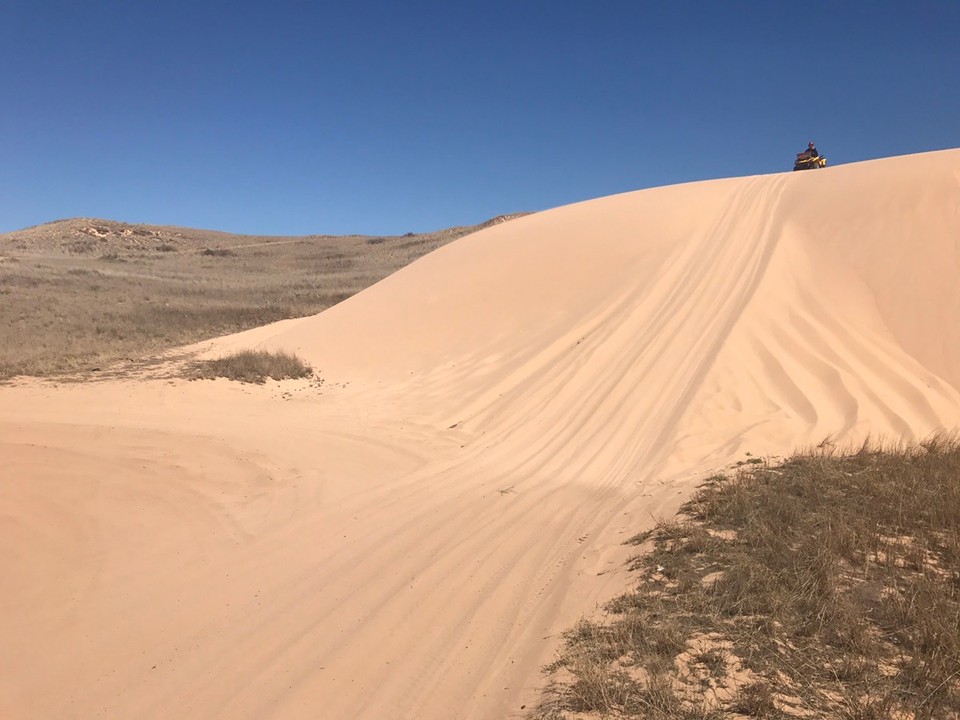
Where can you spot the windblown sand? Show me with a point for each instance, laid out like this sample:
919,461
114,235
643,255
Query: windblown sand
407,538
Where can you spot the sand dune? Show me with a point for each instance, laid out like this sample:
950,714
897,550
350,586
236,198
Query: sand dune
406,539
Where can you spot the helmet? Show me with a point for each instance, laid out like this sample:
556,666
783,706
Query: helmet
810,144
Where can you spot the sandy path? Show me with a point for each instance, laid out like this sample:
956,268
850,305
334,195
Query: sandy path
407,539
179,571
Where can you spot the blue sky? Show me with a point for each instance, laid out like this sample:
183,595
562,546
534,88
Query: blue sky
386,117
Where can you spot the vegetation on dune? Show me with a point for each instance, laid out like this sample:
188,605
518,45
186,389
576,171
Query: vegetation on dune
251,366
826,586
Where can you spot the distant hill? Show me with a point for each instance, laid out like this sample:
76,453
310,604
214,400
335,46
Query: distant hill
85,236
82,293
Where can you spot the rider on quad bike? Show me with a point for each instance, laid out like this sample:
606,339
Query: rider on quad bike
810,159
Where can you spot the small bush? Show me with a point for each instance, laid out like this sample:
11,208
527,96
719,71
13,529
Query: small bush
217,252
252,366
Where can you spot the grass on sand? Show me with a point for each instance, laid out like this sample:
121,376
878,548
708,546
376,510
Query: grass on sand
827,586
252,366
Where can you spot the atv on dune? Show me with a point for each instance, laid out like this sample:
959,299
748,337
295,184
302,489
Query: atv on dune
808,161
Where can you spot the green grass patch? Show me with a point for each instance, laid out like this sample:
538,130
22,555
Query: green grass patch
826,586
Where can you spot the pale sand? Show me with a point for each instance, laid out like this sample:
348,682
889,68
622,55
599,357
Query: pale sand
408,540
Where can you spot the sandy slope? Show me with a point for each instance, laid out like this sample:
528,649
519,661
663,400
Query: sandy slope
406,539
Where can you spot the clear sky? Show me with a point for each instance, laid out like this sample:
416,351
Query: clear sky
297,117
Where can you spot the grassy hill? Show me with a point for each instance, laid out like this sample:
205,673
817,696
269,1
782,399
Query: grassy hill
82,293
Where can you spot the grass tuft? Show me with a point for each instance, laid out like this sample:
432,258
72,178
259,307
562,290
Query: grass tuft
251,366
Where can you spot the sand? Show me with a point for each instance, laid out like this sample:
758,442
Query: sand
408,538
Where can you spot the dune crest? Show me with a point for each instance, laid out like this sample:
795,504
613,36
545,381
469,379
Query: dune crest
827,301
407,538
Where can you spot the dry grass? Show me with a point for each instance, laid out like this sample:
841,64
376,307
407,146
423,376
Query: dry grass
77,295
252,366
827,586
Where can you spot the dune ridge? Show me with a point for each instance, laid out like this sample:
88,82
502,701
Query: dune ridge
407,538
651,305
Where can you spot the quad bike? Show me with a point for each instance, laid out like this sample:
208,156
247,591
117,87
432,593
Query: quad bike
807,161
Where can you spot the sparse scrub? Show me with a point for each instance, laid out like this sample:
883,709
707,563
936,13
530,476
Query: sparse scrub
252,366
827,586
